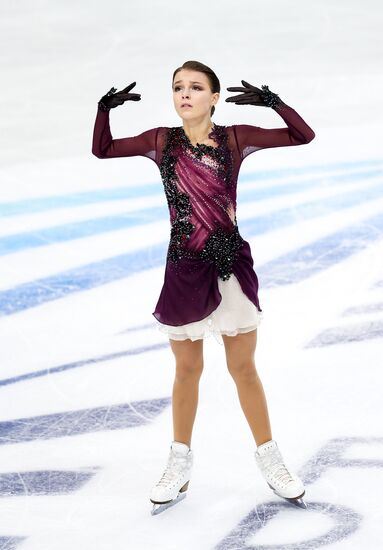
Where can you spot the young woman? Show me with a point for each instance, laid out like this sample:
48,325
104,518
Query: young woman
210,286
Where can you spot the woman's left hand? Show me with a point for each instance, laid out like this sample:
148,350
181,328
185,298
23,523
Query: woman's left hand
253,96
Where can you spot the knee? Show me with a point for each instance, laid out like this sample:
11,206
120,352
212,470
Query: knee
244,371
188,371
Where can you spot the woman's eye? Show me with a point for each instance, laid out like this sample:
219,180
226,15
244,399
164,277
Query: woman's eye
196,87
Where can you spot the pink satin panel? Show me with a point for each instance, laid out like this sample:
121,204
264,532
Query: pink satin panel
210,204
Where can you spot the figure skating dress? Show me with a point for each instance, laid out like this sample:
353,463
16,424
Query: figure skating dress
210,285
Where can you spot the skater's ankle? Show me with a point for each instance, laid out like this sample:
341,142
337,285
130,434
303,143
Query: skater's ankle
182,441
262,441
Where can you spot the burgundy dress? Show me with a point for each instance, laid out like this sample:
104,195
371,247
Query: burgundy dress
200,185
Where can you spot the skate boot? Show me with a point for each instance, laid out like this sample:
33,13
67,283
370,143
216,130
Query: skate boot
284,483
172,486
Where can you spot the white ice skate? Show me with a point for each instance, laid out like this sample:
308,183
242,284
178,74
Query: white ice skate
172,486
284,483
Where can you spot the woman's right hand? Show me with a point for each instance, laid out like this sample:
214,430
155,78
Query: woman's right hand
113,98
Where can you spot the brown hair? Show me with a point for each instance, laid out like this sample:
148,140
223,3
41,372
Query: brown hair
215,85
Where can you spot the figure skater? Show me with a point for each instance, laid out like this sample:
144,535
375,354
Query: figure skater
210,286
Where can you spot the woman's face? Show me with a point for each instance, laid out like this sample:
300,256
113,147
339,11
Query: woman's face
192,88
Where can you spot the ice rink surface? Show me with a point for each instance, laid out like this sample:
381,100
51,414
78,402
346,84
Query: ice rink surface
86,377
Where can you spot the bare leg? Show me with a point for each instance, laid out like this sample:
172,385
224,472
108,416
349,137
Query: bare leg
189,367
240,363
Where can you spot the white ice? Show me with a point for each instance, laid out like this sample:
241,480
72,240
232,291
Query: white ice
86,377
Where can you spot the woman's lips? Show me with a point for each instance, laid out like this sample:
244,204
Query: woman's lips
183,106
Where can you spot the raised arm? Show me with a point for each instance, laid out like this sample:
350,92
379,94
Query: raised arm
252,138
104,146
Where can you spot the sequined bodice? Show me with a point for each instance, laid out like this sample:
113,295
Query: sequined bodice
200,180
199,190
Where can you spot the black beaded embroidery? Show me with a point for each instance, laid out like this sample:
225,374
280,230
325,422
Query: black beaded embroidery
221,247
181,226
270,98
221,153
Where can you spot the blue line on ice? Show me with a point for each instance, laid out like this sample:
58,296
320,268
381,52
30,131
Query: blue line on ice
40,204
90,227
82,363
95,419
43,482
288,268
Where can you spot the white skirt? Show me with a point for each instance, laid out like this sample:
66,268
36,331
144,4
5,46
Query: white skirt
234,314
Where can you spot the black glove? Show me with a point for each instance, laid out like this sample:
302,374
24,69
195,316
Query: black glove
112,99
254,96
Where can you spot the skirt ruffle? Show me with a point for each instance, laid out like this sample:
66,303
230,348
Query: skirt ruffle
235,314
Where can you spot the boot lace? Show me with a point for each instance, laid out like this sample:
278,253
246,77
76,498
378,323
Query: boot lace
275,466
176,465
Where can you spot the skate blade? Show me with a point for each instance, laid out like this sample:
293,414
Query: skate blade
159,507
298,501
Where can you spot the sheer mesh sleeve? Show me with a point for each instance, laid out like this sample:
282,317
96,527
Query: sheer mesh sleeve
104,146
252,138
